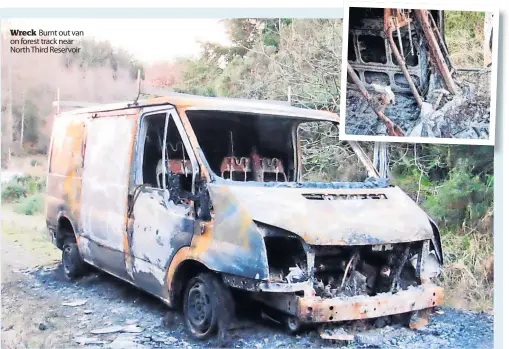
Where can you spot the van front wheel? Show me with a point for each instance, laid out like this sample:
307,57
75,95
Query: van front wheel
72,264
202,305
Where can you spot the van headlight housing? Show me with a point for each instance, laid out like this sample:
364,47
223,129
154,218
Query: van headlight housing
430,266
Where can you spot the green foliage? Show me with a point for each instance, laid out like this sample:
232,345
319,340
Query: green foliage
30,205
470,22
454,183
462,199
34,162
268,57
464,32
13,191
21,187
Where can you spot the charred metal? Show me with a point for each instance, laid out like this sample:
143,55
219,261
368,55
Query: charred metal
403,52
187,197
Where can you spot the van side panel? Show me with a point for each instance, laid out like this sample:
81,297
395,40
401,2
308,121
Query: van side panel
64,172
105,189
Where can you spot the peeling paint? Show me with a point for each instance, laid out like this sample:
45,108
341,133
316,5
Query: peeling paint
145,234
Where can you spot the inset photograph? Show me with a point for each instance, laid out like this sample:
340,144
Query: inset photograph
421,73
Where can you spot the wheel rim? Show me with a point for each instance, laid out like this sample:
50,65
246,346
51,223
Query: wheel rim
67,261
293,323
199,307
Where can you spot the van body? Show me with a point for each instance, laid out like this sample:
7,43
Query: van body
191,197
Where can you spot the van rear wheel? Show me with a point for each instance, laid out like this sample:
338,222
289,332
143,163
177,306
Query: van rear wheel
72,264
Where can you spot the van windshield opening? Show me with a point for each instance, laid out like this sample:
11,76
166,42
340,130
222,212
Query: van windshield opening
243,147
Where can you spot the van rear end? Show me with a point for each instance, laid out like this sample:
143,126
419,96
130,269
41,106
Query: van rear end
65,165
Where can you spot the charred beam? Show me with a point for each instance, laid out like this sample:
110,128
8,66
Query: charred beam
389,31
435,51
392,129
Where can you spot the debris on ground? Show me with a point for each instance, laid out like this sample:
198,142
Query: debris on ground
75,303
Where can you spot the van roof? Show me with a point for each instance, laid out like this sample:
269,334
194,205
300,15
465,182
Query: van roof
193,102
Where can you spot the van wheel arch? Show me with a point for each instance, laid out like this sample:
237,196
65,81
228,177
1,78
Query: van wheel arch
65,232
186,270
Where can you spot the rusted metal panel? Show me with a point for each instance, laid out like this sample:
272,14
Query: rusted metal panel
160,228
234,245
65,170
105,182
324,222
315,309
192,102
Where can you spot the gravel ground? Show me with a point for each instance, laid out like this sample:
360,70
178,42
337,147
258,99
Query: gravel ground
34,314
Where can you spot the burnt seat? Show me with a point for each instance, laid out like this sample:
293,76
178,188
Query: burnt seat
175,166
244,165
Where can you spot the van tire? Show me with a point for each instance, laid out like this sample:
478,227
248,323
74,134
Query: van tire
205,305
73,265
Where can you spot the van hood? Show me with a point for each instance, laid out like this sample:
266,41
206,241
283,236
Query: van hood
328,216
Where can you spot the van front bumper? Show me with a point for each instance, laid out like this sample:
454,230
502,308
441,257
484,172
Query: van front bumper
313,309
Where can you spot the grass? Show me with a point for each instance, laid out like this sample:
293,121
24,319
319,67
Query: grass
30,205
27,193
29,233
467,276
464,32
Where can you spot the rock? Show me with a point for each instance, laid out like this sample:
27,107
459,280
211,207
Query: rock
122,342
88,340
75,303
110,329
132,329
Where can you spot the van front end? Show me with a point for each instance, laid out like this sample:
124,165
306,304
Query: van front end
338,256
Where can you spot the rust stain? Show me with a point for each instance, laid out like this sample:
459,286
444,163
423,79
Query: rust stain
179,257
201,242
127,247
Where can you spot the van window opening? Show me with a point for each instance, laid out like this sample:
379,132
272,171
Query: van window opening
247,147
325,158
178,165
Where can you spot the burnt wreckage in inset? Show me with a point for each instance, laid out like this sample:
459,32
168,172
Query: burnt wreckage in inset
404,52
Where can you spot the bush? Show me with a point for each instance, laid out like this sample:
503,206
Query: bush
34,162
462,199
30,205
13,191
22,186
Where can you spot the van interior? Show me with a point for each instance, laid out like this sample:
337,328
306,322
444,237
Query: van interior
245,146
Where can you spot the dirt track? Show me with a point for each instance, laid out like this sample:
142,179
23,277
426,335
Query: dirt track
33,315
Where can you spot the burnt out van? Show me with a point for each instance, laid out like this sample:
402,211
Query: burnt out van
193,199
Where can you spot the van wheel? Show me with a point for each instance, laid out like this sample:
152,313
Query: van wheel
72,264
203,305
292,324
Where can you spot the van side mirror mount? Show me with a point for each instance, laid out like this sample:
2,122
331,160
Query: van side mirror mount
203,209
